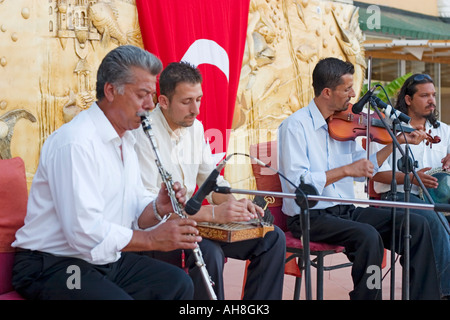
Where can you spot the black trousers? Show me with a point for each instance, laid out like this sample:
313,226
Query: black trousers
365,232
39,275
265,273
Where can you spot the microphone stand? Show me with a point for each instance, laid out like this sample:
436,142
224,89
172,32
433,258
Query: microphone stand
393,182
405,166
393,214
406,255
302,201
306,201
393,193
315,198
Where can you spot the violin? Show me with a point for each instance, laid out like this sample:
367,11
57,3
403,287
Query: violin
346,125
431,139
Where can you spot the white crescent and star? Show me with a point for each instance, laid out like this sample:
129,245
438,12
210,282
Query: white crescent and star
204,51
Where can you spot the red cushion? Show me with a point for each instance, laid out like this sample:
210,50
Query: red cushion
13,207
279,218
13,200
293,242
6,263
12,295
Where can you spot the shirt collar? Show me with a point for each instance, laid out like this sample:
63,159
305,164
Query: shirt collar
105,129
428,125
316,116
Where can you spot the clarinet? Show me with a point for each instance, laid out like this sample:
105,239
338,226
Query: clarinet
177,207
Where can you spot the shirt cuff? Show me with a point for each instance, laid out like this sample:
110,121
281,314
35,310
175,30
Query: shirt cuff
373,159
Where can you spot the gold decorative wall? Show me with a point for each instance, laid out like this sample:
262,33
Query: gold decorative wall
285,40
50,51
49,54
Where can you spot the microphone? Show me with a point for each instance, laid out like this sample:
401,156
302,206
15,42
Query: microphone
358,106
390,111
194,204
301,191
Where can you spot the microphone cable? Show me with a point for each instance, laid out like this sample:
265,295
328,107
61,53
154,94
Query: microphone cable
261,163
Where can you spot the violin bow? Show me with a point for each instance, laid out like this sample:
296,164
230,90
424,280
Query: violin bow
369,85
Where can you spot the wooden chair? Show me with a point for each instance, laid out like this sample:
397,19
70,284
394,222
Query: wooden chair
267,180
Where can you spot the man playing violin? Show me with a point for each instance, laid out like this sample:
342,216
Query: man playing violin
307,151
417,99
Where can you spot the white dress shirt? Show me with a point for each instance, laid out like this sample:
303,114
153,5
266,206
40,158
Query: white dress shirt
423,154
183,153
306,149
84,200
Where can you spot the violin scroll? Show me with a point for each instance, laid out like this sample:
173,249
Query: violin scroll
430,139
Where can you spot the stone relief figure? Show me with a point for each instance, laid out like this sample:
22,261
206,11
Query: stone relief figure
99,22
48,61
85,96
350,39
7,123
104,18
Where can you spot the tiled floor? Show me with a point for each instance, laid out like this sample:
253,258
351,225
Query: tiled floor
337,283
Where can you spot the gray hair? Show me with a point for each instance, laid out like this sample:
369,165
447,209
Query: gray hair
115,67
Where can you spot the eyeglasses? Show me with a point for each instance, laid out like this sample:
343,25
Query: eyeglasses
418,78
421,77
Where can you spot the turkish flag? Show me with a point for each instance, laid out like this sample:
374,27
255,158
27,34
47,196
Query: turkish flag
209,34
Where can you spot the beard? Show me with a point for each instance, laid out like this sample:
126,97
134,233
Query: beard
188,121
345,106
433,116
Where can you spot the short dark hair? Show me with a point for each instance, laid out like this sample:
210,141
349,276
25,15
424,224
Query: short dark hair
175,73
409,88
116,66
328,72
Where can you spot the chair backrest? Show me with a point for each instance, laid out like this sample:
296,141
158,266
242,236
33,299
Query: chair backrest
268,180
13,208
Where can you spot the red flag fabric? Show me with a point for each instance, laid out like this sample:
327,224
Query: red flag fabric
209,34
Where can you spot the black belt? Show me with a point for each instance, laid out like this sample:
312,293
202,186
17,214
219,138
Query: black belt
23,250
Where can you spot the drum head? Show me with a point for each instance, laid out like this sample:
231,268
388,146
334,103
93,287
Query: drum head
442,193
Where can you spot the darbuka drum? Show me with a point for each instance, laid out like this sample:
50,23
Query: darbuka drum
442,193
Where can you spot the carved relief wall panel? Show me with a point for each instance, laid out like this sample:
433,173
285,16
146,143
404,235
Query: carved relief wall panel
285,40
49,54
50,51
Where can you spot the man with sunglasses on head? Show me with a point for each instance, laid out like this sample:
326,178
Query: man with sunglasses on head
417,99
